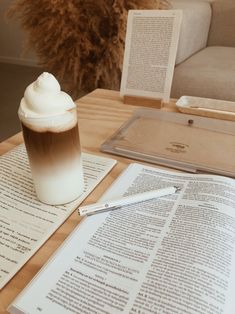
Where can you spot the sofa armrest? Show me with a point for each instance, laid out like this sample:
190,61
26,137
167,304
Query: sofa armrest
195,27
222,24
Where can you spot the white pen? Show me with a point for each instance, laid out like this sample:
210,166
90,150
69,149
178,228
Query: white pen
126,200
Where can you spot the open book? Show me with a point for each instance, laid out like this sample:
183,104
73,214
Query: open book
25,222
174,254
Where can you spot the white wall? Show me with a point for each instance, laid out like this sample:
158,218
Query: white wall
12,39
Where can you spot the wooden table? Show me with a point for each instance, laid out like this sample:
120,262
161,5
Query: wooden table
100,114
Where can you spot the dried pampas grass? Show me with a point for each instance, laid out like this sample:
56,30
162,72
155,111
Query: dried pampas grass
80,41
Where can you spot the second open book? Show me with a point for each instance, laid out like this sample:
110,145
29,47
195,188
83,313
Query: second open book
174,254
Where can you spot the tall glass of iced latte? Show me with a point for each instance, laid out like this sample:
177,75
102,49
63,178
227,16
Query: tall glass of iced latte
50,128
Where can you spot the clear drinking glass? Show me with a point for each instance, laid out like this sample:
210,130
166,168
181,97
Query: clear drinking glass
54,154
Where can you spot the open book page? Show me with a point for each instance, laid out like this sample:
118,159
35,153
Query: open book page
25,222
174,254
150,51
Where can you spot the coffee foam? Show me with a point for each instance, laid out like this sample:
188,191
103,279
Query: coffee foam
45,107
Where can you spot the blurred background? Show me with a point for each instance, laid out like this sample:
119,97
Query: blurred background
16,72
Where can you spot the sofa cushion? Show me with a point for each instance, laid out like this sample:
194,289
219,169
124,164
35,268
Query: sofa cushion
222,24
209,73
194,28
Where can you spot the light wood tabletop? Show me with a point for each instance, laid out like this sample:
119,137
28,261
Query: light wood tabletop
100,114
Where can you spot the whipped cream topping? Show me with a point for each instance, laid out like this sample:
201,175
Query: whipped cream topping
44,105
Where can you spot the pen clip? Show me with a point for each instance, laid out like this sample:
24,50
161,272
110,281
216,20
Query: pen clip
177,189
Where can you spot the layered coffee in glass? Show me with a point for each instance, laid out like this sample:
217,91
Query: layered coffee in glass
51,135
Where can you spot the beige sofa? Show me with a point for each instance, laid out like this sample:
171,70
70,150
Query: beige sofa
205,63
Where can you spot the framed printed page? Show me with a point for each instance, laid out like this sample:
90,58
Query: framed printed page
150,51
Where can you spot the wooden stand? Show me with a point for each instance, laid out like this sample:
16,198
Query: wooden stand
142,101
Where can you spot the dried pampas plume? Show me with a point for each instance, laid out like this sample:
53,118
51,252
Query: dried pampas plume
80,41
